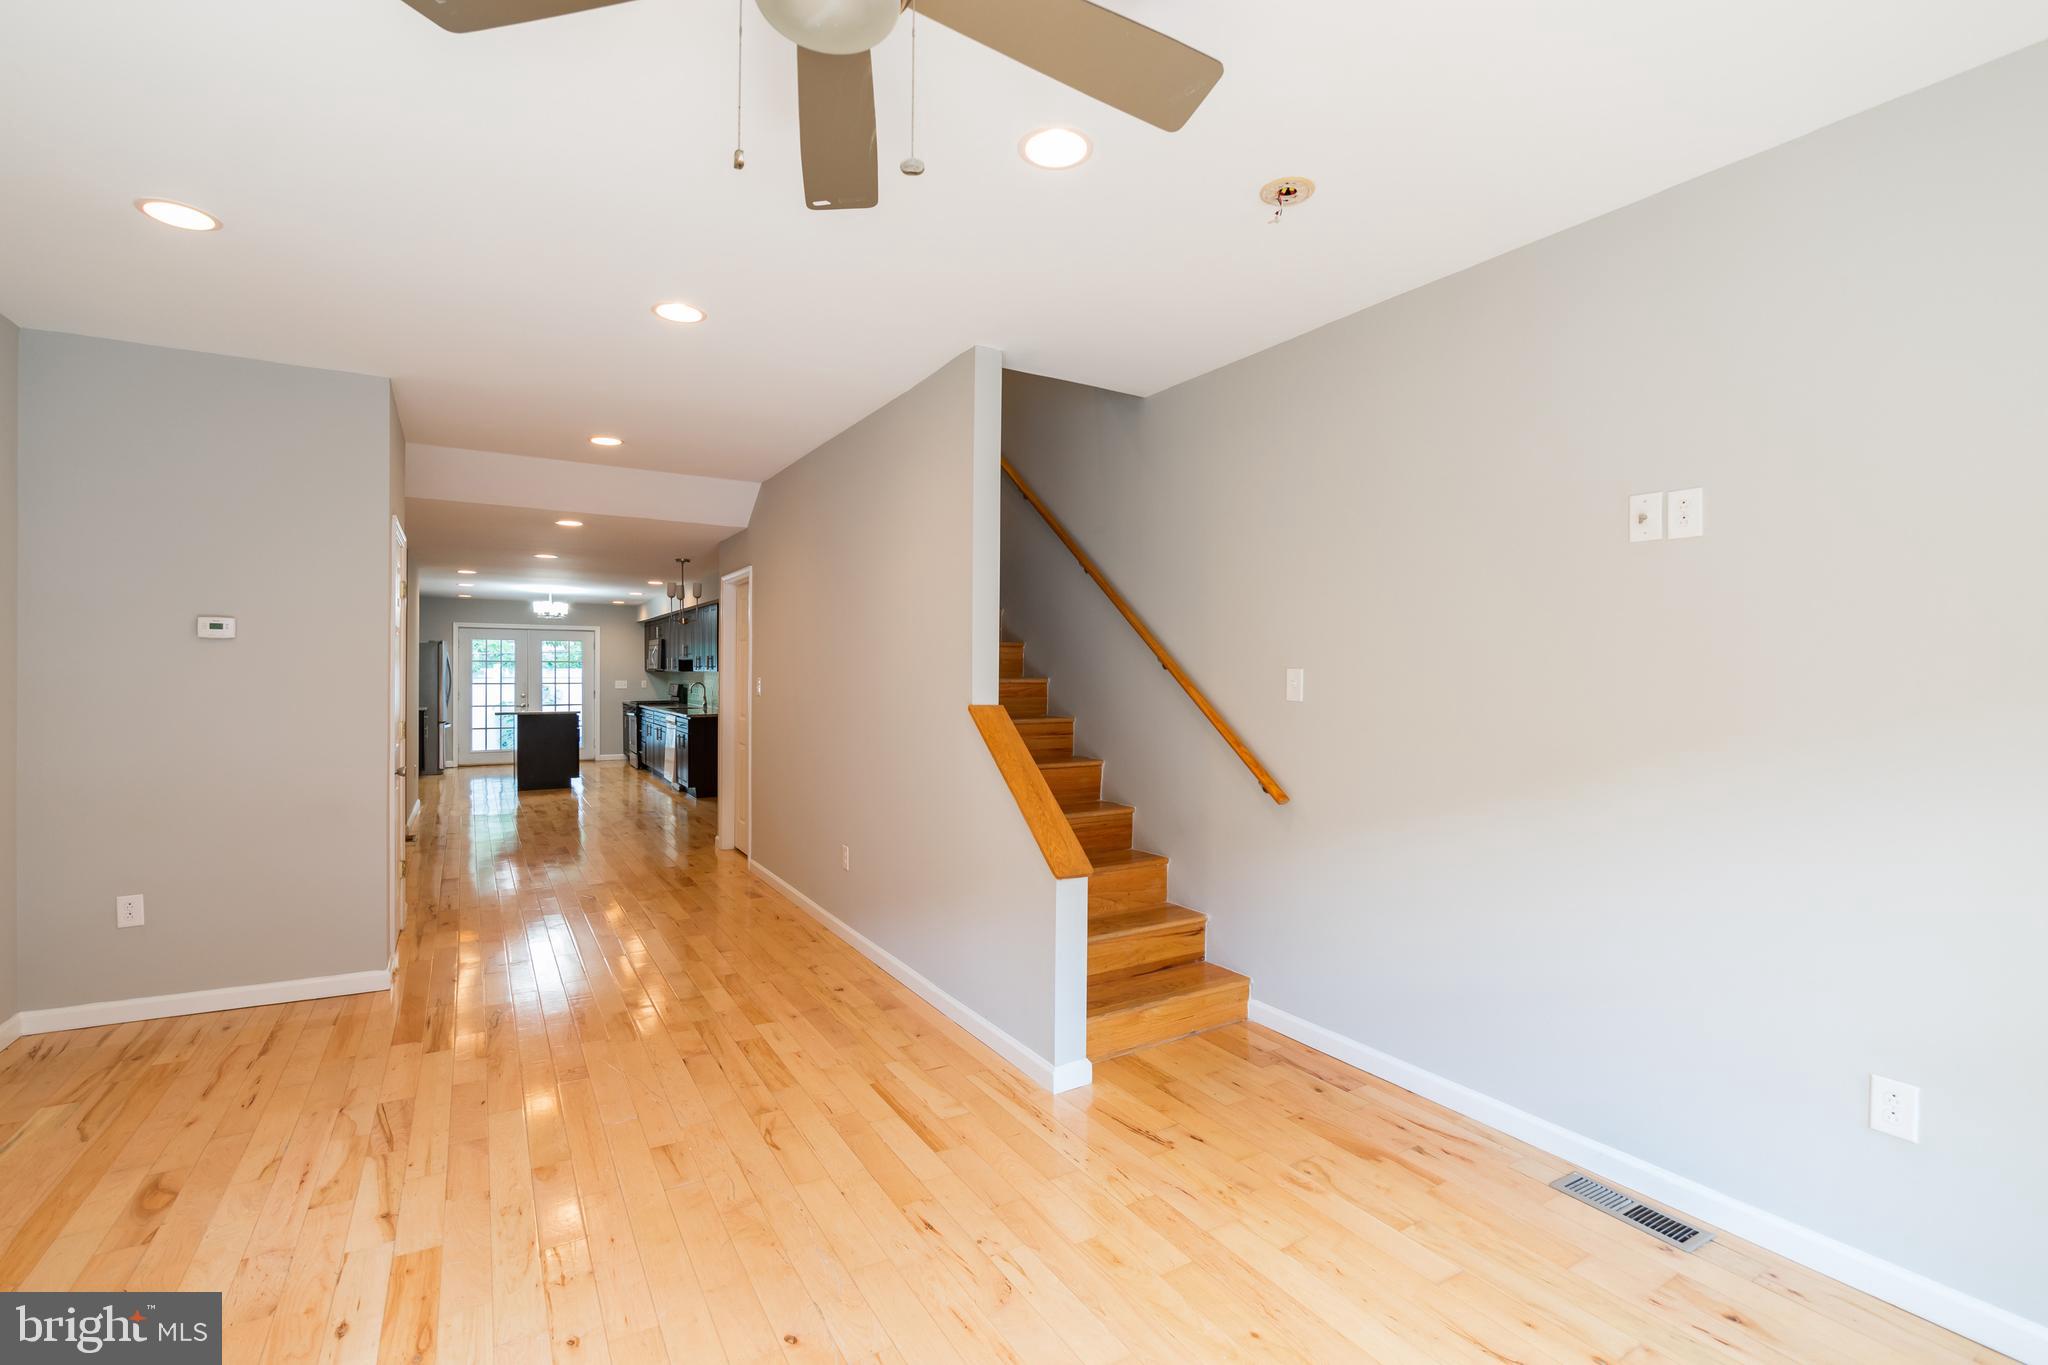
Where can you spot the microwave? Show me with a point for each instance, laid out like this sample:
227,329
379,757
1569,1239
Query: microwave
657,655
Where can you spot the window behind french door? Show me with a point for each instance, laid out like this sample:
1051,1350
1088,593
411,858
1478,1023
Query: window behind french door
503,670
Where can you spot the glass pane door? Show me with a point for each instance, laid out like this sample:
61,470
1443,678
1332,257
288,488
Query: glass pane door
491,726
503,670
563,678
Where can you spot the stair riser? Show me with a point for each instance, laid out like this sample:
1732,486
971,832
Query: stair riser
1103,833
1171,1018
1048,736
1012,660
1126,888
1139,953
1071,785
1023,696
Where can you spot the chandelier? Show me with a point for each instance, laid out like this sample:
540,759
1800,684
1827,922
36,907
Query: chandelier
551,609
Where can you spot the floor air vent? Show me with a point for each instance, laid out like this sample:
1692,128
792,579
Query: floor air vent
1656,1222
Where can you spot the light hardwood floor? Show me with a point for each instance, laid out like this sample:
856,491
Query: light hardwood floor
627,1103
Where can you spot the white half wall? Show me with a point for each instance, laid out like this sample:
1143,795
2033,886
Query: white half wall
450,474
1670,844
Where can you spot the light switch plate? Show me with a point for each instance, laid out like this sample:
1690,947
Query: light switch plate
1688,513
1646,517
1297,681
618,684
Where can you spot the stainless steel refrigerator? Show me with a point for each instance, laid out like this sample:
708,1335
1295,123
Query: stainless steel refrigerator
437,705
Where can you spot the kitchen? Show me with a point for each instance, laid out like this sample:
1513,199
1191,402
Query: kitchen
675,737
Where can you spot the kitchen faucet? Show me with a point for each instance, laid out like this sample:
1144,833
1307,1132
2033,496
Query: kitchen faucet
696,687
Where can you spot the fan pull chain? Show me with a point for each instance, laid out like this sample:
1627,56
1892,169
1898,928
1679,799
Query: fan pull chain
911,165
739,91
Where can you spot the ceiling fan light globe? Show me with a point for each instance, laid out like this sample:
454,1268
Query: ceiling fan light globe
839,28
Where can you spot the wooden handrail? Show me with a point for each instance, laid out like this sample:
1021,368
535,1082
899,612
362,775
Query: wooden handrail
1166,660
1042,813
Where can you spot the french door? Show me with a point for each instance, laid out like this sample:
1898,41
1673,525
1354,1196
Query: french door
503,670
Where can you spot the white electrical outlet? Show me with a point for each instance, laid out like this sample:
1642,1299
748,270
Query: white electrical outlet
1688,513
1646,517
1895,1108
757,687
845,858
1297,681
127,911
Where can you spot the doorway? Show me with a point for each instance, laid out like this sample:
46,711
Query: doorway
401,704
503,670
736,698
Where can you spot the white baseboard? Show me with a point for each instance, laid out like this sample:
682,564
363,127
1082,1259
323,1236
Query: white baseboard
201,1002
1938,1303
1067,1076
10,1029
611,758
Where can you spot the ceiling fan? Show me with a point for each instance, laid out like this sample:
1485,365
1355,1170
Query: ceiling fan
1095,51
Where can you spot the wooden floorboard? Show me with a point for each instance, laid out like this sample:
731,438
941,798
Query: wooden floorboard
626,1103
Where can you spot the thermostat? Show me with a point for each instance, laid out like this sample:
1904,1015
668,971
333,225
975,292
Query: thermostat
216,627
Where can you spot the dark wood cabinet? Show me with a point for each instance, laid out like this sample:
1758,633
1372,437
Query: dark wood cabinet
682,750
688,639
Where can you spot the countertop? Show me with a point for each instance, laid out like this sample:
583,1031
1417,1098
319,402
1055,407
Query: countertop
671,707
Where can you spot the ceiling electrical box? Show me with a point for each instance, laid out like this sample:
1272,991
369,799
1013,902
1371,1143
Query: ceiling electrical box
216,627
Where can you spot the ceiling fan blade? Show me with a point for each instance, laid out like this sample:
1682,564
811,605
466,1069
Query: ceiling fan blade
1097,52
471,16
835,99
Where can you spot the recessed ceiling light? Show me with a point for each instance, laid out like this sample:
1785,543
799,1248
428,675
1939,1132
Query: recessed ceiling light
1055,149
544,556
654,582
465,571
636,594
568,523
171,213
465,594
677,311
618,601
606,441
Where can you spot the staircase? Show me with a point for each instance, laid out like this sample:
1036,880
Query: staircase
1148,980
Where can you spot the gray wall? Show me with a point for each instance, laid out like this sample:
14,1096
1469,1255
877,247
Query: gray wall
861,730
620,651
10,349
239,785
1671,844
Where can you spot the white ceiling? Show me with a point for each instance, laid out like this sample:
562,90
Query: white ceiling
487,219
607,557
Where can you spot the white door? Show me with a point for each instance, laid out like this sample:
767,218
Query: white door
564,671
503,670
401,729
738,716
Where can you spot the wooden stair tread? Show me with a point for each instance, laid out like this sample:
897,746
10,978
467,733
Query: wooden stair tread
1124,857
1151,920
1067,762
1130,993
1087,808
